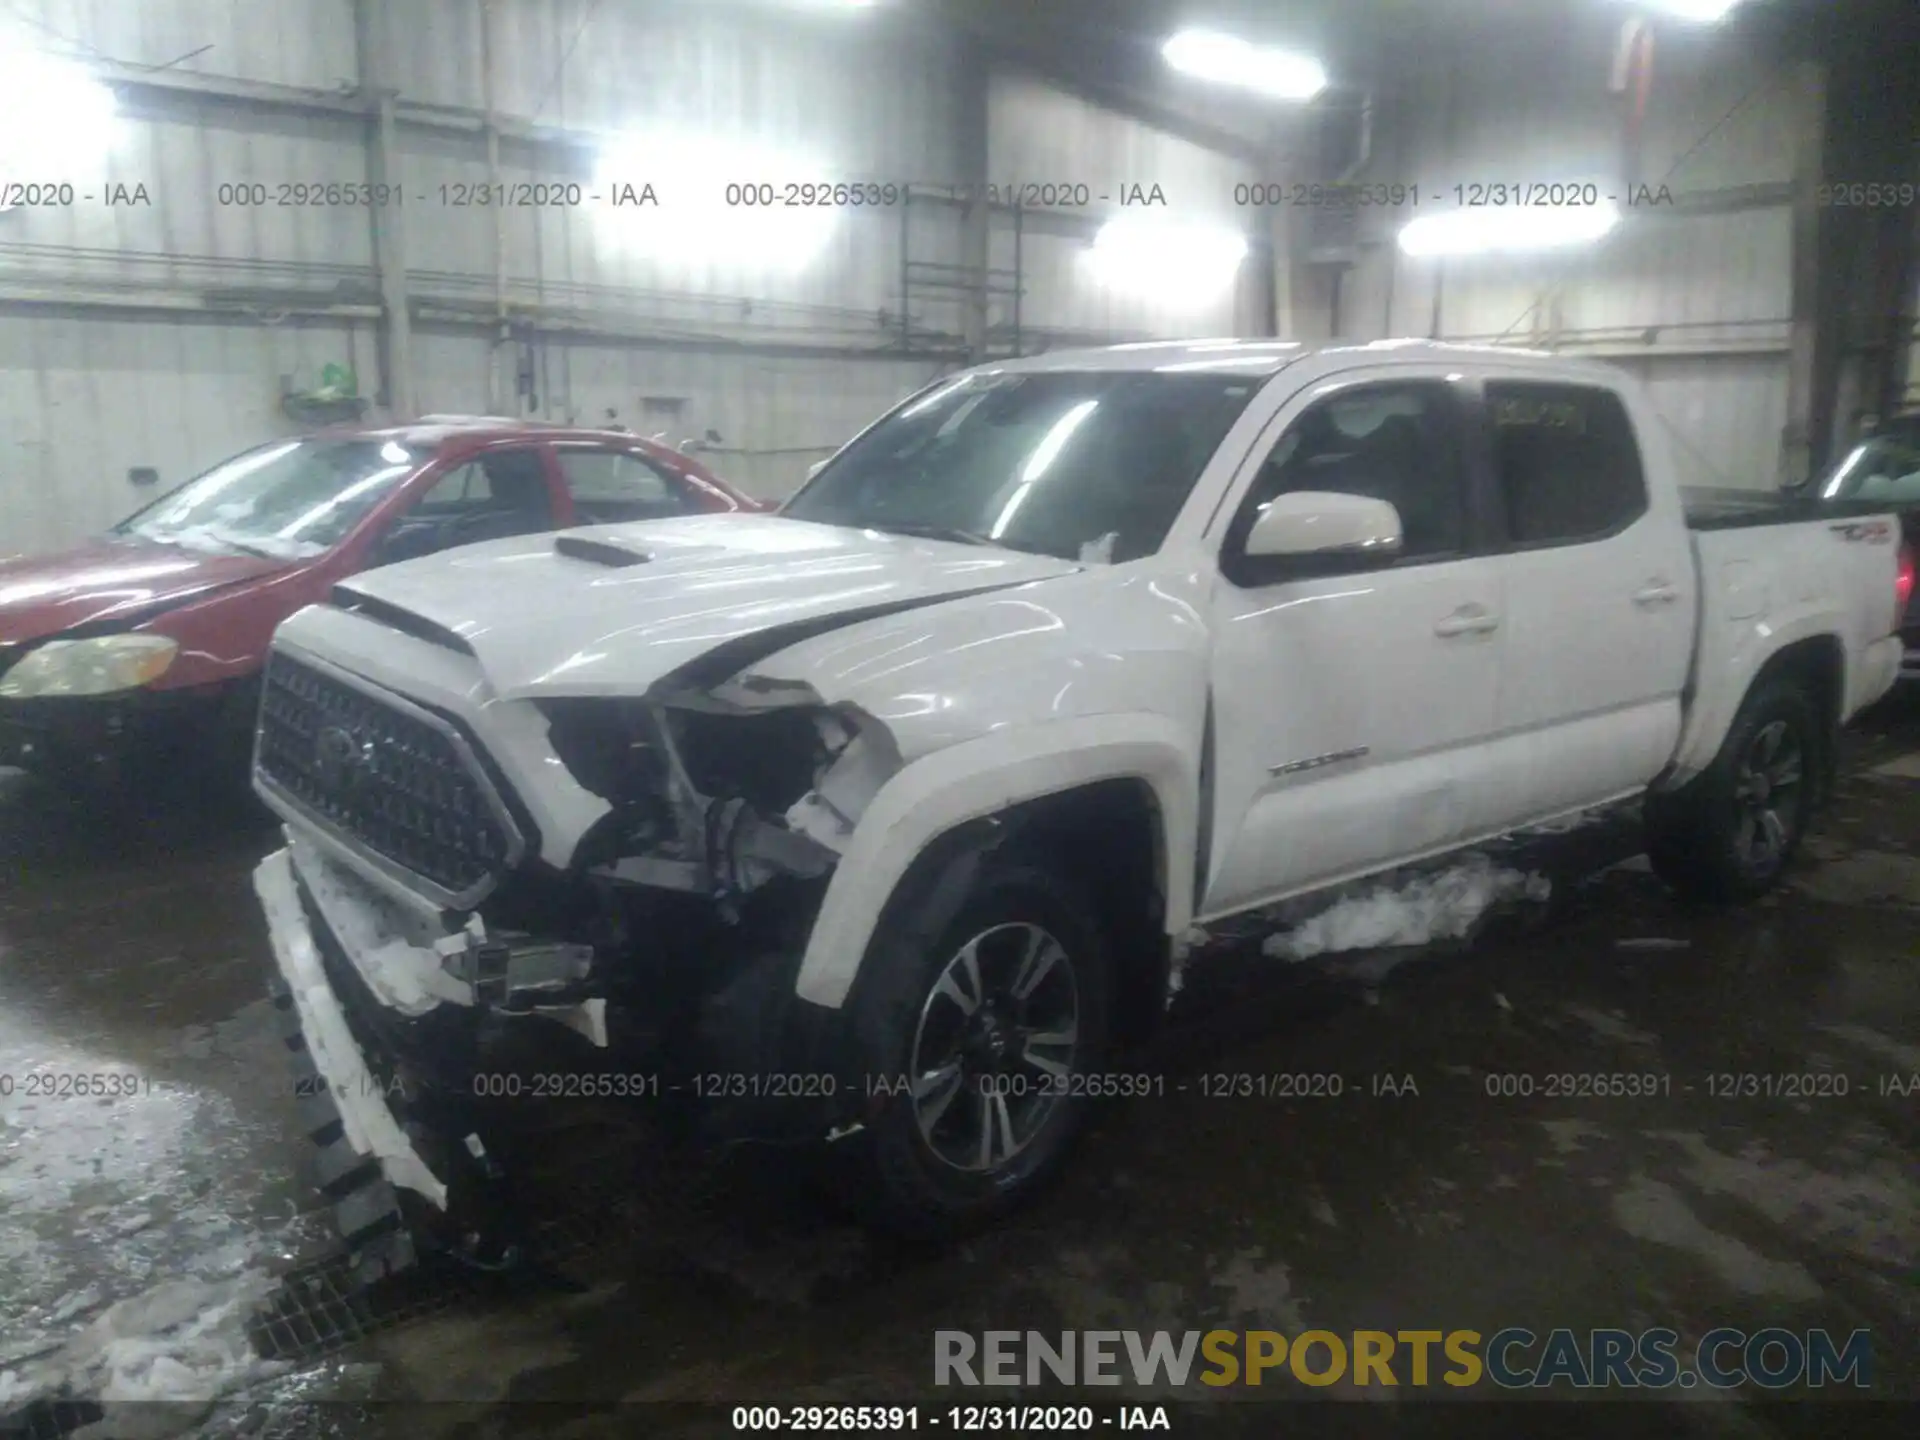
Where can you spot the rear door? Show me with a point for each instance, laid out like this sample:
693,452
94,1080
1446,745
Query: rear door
611,485
1353,704
1602,600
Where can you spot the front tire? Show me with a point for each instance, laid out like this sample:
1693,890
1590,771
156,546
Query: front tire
984,1029
1728,834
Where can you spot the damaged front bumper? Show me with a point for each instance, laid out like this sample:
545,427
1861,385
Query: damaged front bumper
365,1154
392,1032
386,1040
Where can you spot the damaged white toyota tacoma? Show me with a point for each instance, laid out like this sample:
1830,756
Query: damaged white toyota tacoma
874,825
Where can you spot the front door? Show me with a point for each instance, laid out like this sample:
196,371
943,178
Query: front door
1352,706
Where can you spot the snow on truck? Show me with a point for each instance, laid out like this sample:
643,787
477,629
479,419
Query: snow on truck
924,777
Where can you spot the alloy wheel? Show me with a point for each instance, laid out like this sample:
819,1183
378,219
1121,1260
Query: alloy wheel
994,1050
1766,795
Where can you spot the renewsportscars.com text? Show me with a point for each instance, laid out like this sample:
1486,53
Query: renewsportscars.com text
1513,1358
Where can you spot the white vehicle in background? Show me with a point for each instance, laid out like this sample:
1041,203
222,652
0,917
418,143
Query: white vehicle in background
875,823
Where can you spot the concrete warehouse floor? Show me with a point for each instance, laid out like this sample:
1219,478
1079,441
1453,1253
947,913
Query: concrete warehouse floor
129,944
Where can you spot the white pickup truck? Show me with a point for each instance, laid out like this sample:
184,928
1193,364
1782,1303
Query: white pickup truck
876,824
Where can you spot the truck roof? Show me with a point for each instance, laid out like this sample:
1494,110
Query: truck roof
1266,357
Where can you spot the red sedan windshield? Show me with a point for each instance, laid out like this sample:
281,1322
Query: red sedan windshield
290,500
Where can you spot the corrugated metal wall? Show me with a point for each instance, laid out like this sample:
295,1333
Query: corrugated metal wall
82,400
1698,304
775,415
1042,137
158,333
181,315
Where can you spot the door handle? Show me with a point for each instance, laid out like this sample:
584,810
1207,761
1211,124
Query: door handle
1467,620
1657,592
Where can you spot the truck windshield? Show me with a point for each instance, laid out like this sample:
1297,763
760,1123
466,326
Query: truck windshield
1885,471
290,500
1086,465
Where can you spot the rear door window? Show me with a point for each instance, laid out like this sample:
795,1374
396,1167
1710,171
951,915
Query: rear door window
610,486
1565,461
493,496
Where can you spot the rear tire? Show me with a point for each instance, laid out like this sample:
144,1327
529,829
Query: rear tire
1728,833
978,1032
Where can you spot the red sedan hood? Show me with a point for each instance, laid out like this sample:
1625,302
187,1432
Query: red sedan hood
104,582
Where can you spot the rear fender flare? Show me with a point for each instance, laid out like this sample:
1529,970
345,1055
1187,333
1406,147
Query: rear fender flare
1720,692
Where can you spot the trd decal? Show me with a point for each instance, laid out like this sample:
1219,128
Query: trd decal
1874,532
1294,767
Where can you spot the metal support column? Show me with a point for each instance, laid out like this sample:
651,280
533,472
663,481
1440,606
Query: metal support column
388,221
976,227
497,353
1272,299
1809,346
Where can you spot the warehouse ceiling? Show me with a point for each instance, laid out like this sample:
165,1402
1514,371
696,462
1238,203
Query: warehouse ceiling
1109,49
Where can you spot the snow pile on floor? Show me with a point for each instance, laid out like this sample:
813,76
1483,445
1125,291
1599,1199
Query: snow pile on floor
134,1229
1444,905
183,1340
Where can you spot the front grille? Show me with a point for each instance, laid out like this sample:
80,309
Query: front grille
391,781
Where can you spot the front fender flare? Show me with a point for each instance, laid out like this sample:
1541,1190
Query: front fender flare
984,777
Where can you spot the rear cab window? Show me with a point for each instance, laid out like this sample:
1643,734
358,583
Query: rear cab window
1566,464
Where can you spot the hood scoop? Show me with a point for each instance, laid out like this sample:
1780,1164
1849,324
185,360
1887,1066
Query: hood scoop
395,618
599,552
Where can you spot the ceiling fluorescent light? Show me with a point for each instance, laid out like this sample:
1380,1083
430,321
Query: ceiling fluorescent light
59,124
1172,262
1508,231
1228,60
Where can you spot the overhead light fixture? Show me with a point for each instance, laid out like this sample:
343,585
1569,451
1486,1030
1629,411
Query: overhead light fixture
1703,12
59,123
1228,60
1508,231
699,199
1179,263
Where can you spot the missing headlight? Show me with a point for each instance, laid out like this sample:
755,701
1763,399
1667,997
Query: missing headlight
610,747
767,758
710,798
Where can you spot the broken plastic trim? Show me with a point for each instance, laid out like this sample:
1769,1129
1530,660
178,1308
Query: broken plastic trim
517,972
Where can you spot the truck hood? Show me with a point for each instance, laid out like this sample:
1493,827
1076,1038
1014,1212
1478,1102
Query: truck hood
106,582
614,609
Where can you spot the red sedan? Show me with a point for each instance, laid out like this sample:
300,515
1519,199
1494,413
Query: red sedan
149,641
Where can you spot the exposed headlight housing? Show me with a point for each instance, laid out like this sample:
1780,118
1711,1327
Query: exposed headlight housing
103,666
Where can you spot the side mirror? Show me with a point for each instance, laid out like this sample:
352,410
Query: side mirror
1326,525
